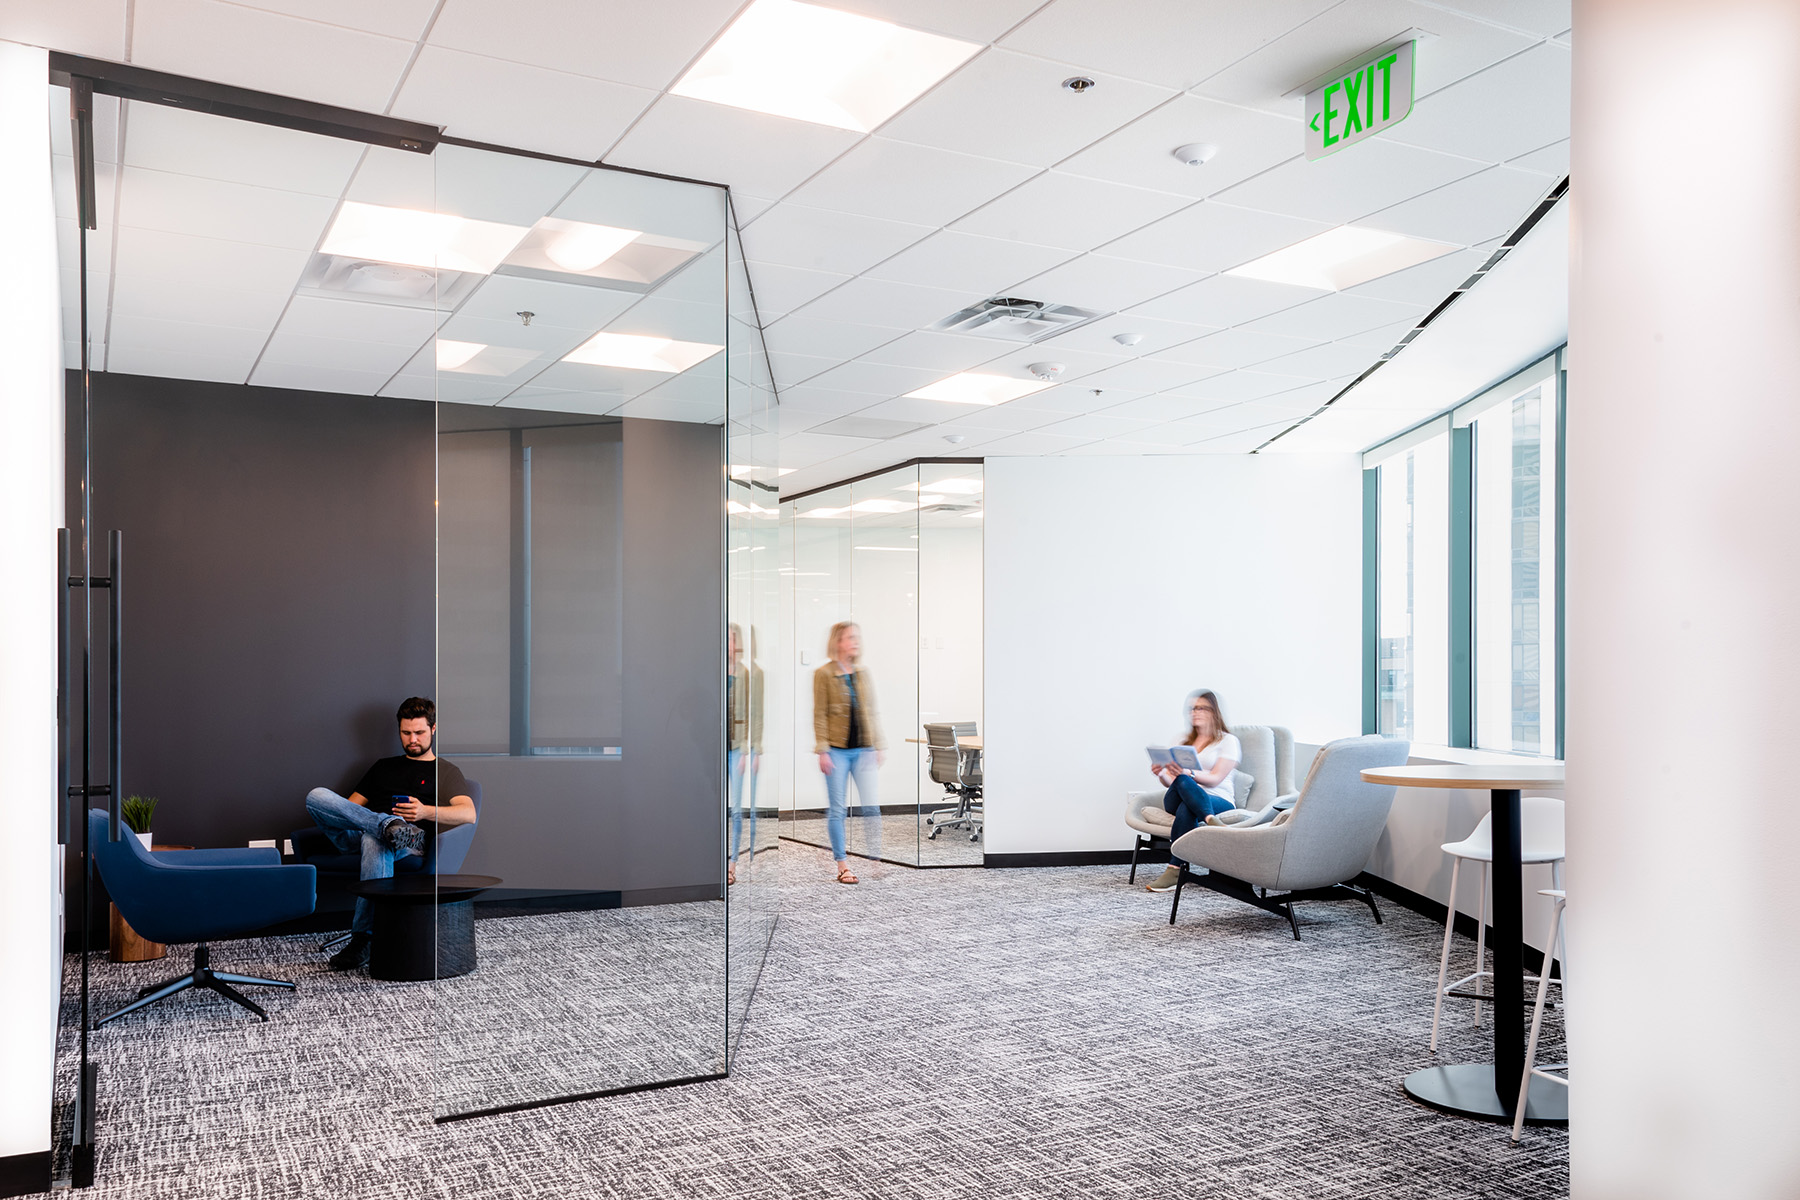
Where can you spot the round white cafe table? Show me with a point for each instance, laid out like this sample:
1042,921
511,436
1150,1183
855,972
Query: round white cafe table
1489,1091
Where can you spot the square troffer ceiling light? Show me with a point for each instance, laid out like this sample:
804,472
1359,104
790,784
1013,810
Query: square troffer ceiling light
637,352
413,238
818,64
1341,258
978,387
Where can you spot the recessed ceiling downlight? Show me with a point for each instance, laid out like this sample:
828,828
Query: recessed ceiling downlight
637,352
412,238
817,64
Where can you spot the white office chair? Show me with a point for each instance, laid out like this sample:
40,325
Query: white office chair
1540,841
1555,936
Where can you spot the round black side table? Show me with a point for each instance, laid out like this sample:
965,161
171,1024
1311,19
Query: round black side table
423,926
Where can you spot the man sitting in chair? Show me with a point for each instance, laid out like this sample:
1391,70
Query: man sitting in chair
382,818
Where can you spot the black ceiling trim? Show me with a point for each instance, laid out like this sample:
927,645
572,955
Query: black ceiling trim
899,466
222,100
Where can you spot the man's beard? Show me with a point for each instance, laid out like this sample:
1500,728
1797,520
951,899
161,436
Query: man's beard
422,751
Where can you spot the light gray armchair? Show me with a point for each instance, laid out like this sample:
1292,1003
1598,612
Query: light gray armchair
1309,852
1263,785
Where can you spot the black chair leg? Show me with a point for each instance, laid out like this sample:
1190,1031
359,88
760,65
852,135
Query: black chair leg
202,976
1136,846
1292,920
1175,904
161,993
334,943
1370,897
236,997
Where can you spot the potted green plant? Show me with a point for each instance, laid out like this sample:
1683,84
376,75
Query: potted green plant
137,811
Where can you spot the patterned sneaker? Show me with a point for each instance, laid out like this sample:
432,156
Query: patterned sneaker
1166,881
402,835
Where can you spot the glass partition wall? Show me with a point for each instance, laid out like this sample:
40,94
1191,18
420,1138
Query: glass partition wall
445,422
896,558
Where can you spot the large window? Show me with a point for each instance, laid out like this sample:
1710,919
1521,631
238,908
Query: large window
1464,560
1515,573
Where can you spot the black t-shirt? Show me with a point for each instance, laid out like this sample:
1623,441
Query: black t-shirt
424,780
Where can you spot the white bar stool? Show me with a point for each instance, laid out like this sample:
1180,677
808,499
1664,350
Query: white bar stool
1540,841
1554,937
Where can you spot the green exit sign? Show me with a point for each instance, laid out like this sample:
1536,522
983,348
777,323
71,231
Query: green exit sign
1359,101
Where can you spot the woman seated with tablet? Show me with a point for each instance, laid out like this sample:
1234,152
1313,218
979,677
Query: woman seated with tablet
1197,773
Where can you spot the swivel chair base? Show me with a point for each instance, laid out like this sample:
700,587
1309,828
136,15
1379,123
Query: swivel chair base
202,976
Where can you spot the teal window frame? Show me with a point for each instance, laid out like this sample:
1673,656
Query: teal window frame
1461,581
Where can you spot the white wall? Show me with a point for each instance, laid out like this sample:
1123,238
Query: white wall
31,457
1116,585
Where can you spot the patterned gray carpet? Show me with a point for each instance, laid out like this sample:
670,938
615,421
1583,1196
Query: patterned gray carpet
905,839
992,1034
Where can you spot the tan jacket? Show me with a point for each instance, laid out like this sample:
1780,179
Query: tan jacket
831,709
747,710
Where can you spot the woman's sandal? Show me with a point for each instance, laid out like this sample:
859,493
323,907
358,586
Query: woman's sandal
844,876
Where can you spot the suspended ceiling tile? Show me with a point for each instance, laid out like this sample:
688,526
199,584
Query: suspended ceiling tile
1460,47
1099,425
486,185
1012,106
542,399
1164,406
1221,300
626,41
649,205
904,182
790,370
1212,237
1540,17
510,104
780,290
1077,365
547,341
337,354
1551,160
1101,336
178,257
351,320
1382,339
1469,211
763,155
1175,43
213,208
1236,386
312,377
170,364
1359,180
91,27
1236,348
886,303
674,408
191,143
1338,431
1531,89
799,333
1141,154
1334,315
944,353
620,382
790,420
1426,284
1004,418
1069,211
229,43
794,235
501,298
151,296
1147,375
1240,442
682,320
831,401
1032,444
1077,398
1326,361
967,263
1106,284
916,411
980,23
134,331
394,18
878,379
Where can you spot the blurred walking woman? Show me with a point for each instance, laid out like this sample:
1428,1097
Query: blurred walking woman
847,736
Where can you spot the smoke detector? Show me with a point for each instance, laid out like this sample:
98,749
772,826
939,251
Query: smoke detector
1047,371
1195,153
1128,339
1017,320
956,438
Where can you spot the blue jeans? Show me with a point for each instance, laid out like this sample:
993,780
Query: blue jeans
742,767
353,828
1191,804
844,764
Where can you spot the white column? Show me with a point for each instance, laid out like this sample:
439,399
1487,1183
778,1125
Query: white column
31,509
1684,601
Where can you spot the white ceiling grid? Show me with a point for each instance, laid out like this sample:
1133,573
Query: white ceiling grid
997,181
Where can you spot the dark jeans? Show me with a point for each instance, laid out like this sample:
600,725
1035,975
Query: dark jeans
1191,804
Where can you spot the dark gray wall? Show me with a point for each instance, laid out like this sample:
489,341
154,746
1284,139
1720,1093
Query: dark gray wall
279,551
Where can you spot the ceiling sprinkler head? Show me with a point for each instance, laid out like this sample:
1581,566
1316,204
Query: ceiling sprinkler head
955,438
1078,83
525,317
1128,339
1195,153
1046,371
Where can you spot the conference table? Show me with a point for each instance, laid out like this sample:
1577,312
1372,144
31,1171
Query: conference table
1490,1091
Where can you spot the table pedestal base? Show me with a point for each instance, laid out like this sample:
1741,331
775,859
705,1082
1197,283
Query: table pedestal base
415,939
1467,1090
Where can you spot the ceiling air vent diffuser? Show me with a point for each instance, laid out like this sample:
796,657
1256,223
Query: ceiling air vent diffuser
1015,320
